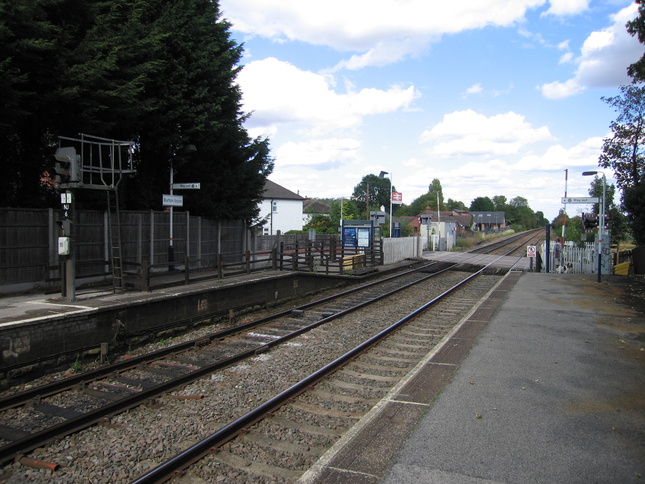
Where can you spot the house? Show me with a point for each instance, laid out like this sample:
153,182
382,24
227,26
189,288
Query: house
461,220
280,209
483,221
313,207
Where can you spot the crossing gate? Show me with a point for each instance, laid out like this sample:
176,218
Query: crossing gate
577,260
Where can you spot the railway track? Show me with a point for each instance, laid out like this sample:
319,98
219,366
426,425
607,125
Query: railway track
314,422
174,370
35,416
513,245
300,431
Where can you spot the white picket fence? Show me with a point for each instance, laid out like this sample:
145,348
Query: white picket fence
576,260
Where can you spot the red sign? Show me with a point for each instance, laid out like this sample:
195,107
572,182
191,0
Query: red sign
397,197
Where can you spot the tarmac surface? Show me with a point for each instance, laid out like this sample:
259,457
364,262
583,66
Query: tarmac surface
550,389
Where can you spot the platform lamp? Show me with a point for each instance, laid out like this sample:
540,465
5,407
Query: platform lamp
601,222
184,151
382,175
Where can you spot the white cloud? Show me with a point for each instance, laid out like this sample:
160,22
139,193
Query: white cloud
469,133
567,7
321,154
603,61
566,58
557,157
278,93
472,90
381,31
539,178
559,90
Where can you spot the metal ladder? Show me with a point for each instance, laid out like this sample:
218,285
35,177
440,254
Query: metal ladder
114,229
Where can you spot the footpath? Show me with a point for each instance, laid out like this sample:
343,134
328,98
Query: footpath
552,390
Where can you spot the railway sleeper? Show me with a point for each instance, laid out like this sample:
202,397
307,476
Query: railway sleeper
137,382
306,428
360,389
259,438
57,411
103,395
371,376
400,353
325,395
248,466
11,434
375,368
329,412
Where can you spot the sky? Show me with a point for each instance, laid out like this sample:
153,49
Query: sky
493,97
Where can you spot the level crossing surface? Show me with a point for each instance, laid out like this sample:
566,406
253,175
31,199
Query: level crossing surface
499,262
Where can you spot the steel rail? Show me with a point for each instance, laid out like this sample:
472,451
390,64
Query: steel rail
87,377
165,471
32,441
502,243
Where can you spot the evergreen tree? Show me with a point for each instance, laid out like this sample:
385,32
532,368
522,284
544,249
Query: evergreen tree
160,73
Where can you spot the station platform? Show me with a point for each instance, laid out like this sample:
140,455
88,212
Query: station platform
22,308
544,383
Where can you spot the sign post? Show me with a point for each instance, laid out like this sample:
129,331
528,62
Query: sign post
172,201
531,253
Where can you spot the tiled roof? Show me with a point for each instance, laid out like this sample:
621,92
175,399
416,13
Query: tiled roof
316,206
274,191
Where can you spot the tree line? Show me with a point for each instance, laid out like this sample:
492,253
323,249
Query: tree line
373,192
161,74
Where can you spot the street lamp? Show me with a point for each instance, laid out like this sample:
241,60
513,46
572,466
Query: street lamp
186,150
382,175
601,222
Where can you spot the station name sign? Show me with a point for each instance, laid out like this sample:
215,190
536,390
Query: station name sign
580,199
172,201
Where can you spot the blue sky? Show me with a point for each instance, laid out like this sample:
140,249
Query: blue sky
493,97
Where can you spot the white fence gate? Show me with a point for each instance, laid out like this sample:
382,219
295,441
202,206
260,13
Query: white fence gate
572,259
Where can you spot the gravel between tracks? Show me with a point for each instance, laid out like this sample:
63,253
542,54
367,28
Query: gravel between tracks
136,441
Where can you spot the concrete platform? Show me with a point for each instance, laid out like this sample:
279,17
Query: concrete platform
545,383
38,332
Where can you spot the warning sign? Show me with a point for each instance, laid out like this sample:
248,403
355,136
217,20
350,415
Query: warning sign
531,250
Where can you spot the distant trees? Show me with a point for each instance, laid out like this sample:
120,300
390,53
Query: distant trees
430,199
500,203
618,224
343,209
373,191
321,224
482,204
159,73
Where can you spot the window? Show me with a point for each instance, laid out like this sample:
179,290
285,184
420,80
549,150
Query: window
274,207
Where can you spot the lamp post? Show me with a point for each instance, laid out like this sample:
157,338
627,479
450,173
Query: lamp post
382,175
186,150
601,222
